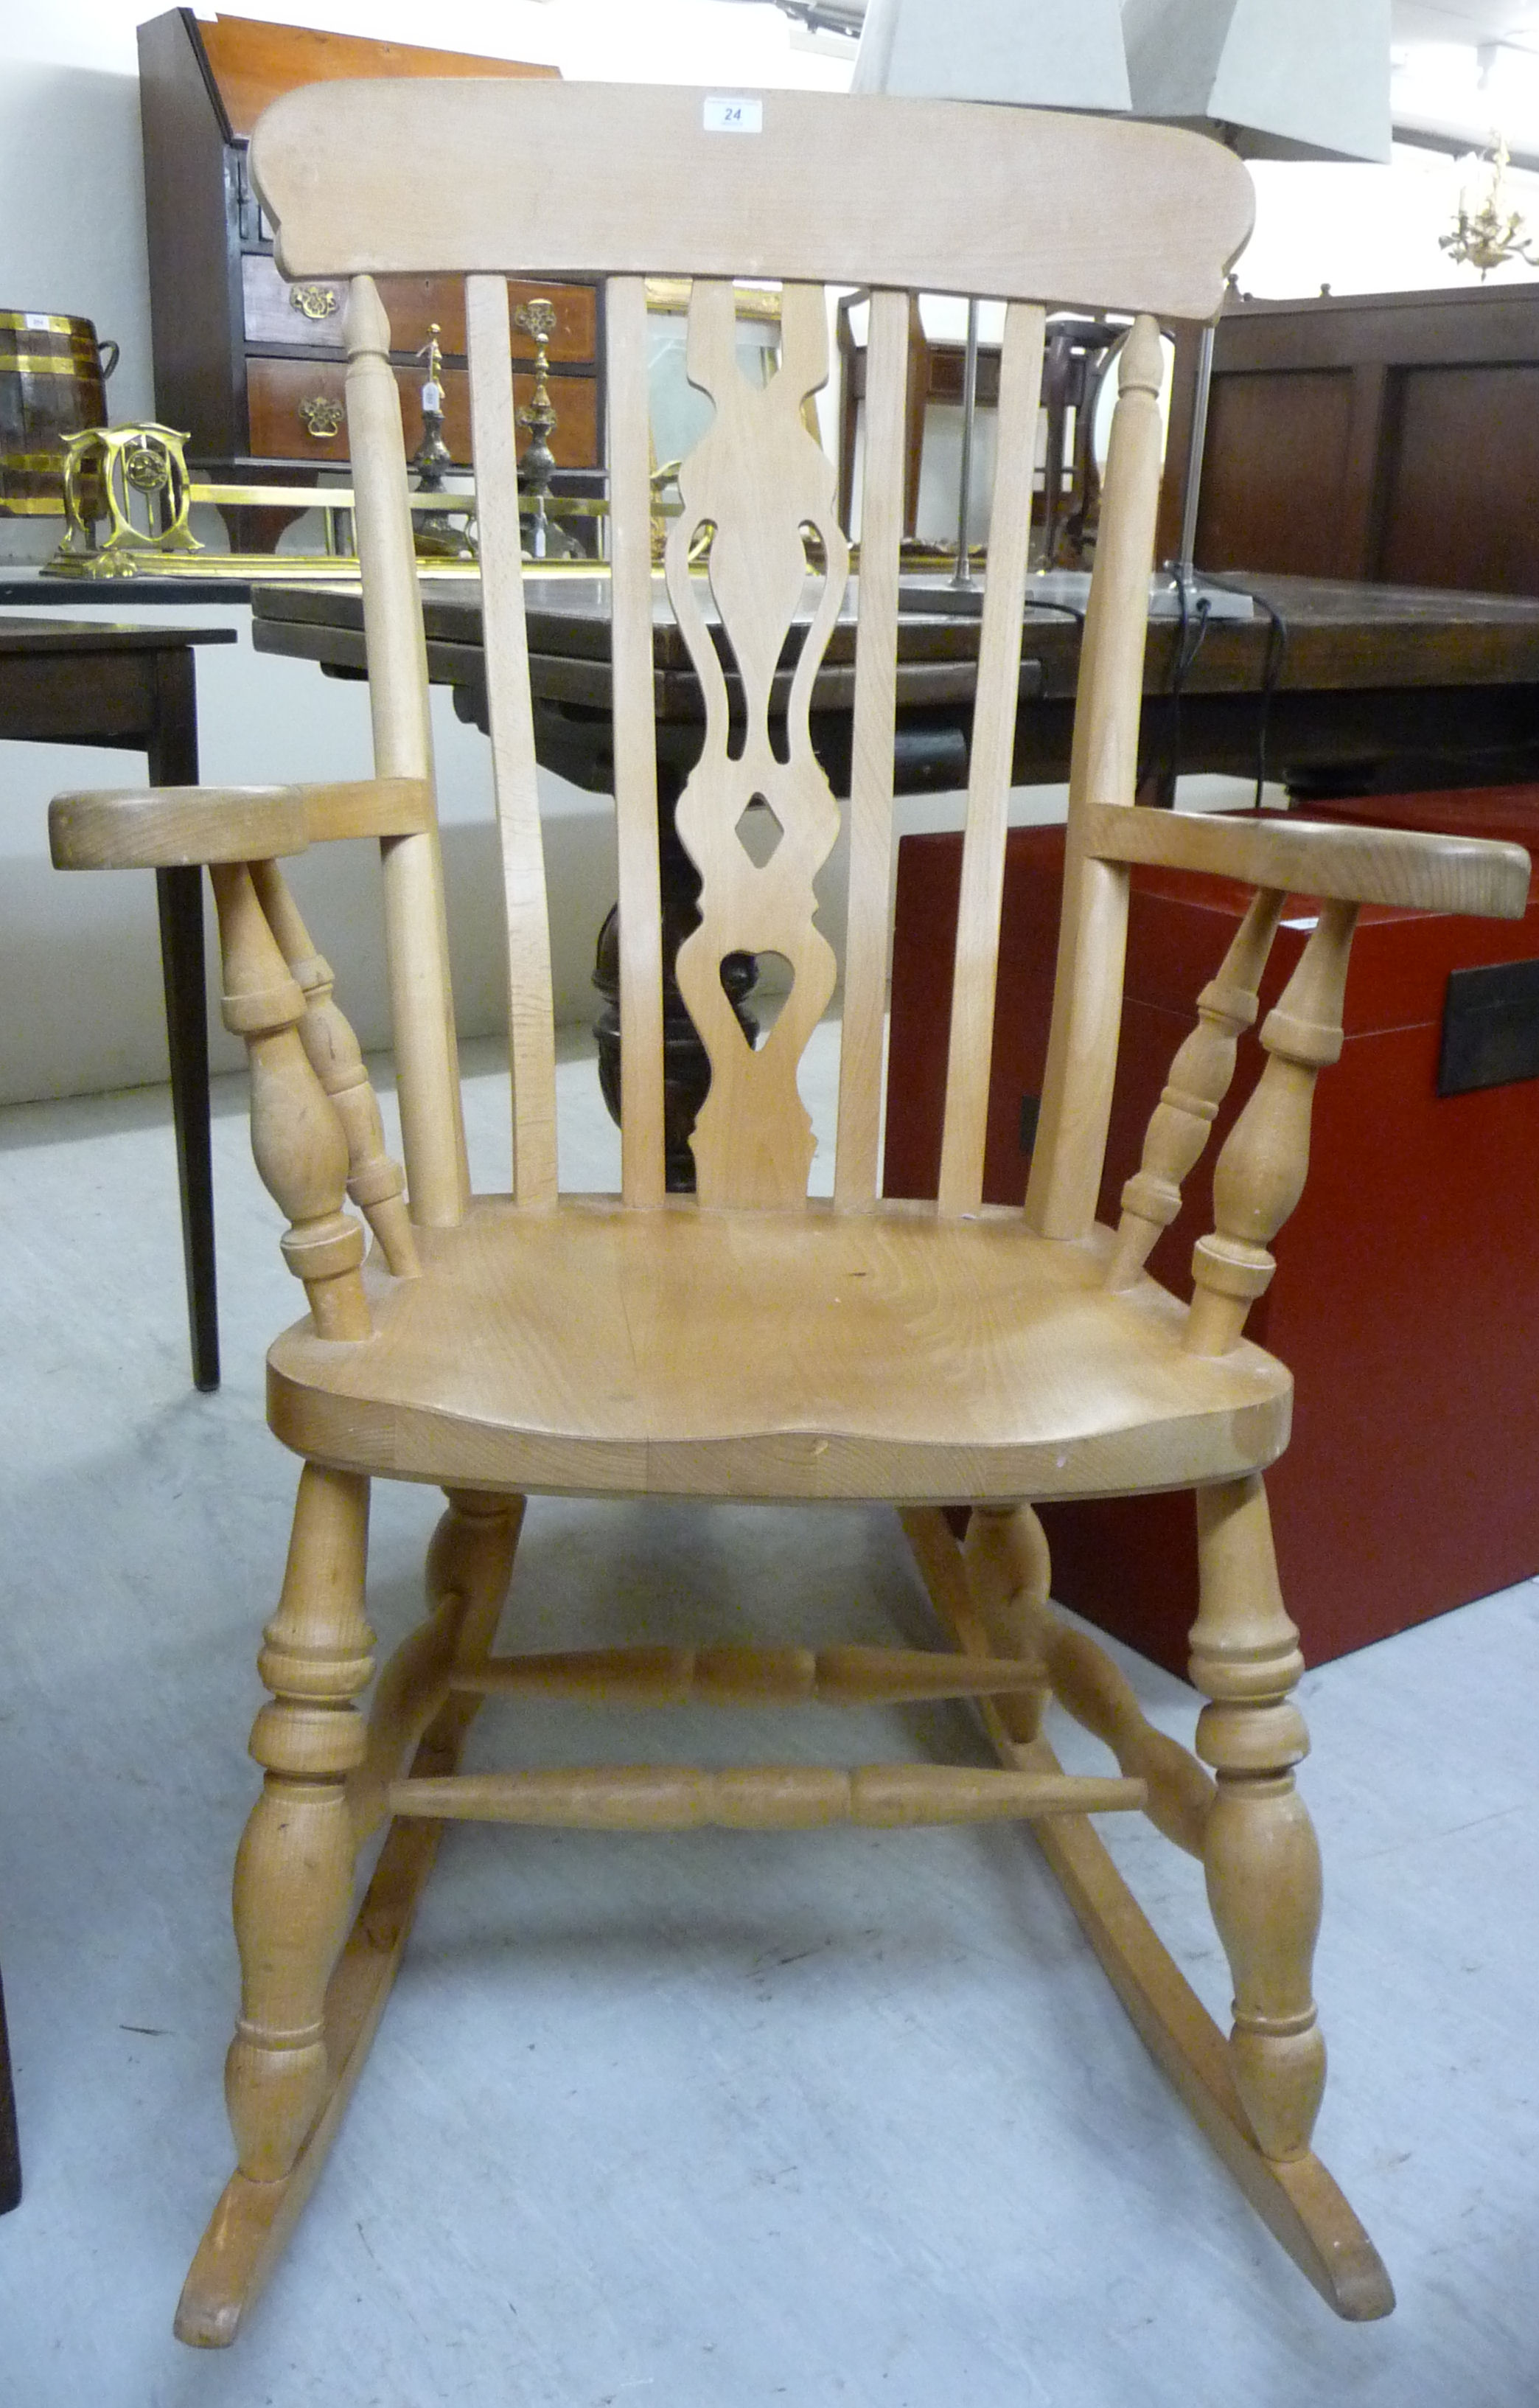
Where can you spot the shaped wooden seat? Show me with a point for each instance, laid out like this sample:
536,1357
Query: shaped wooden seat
562,1352
920,1355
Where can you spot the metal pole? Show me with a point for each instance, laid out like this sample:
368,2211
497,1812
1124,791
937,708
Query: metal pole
964,575
1185,566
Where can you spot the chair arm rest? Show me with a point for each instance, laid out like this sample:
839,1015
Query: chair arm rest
1348,864
180,827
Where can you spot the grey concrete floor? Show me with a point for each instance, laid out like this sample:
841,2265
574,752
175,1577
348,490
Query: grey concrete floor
722,2120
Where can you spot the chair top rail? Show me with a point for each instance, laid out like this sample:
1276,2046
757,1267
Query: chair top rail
816,187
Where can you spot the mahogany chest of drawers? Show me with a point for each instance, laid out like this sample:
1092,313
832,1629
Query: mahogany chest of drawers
251,367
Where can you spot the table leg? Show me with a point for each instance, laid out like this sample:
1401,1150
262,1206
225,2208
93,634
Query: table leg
10,2154
686,1067
174,762
253,528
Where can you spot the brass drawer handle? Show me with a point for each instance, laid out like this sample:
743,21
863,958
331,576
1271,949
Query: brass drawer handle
322,417
314,300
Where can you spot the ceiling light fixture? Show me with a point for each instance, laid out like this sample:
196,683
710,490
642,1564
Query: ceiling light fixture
1484,237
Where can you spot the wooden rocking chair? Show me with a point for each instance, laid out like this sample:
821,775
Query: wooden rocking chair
922,1354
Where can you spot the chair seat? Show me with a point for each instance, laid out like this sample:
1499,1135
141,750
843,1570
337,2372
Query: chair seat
597,1349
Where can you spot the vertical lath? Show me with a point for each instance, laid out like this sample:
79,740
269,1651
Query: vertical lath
871,754
757,477
1071,1140
642,1151
510,719
993,747
416,935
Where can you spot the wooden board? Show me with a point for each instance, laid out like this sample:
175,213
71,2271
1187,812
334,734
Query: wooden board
559,1350
253,62
829,188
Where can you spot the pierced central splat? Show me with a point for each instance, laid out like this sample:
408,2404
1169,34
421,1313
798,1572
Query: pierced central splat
758,480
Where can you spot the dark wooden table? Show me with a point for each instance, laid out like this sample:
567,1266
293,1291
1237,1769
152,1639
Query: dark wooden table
131,689
1378,687
1355,688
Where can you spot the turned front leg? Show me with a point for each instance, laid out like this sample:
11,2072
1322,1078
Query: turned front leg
1259,1854
295,1868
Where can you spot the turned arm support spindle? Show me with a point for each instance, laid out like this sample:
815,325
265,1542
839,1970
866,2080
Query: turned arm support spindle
1263,1163
375,1183
1199,1081
1260,1173
296,1136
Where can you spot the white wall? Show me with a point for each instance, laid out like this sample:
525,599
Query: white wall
80,965
1370,229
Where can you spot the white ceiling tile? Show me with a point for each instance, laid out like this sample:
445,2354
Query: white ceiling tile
1464,21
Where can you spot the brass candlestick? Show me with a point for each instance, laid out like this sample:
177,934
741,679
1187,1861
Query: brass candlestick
543,539
439,534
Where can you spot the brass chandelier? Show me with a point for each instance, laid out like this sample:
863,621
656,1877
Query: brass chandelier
1486,238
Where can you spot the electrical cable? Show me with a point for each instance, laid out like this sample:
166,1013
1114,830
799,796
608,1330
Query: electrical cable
1272,667
1190,636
